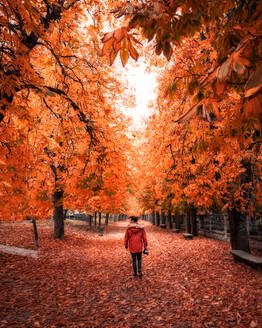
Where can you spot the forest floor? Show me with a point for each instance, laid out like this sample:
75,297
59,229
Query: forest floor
86,281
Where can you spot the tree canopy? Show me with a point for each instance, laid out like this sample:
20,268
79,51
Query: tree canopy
66,143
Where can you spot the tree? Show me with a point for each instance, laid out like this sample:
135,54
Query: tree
58,128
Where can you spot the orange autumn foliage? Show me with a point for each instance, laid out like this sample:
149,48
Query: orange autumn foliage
204,140
60,125
61,129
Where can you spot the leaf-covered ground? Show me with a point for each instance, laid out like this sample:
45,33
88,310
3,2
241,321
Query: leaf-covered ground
86,281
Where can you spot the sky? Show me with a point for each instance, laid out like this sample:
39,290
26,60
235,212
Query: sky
144,85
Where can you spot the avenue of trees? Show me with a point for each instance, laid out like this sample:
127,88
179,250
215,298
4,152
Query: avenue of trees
64,142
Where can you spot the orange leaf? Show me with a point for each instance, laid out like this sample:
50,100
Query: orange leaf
119,34
132,50
107,45
124,55
112,56
117,46
107,36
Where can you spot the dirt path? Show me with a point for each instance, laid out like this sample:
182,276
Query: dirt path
86,281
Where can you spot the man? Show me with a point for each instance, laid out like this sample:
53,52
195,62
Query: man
135,239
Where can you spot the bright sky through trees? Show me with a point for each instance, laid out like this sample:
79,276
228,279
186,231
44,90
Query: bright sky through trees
144,85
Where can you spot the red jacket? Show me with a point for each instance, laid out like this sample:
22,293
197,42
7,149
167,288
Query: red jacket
135,237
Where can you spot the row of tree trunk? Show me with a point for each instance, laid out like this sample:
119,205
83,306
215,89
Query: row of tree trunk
161,219
237,223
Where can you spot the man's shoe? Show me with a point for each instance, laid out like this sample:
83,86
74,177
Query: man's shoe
140,274
135,274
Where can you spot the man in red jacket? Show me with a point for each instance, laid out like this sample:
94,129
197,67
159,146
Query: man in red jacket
135,239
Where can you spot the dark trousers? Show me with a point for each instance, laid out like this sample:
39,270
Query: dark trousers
137,257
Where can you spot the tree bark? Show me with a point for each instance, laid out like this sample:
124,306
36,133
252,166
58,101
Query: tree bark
163,218
153,218
193,221
238,220
95,218
65,213
173,217
238,230
177,222
170,219
157,219
188,223
35,232
99,218
107,218
58,214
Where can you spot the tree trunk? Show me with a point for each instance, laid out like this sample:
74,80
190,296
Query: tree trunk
193,221
107,217
65,213
238,230
153,218
95,218
177,222
99,219
238,220
35,232
180,220
174,220
188,223
170,219
157,219
58,214
163,218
